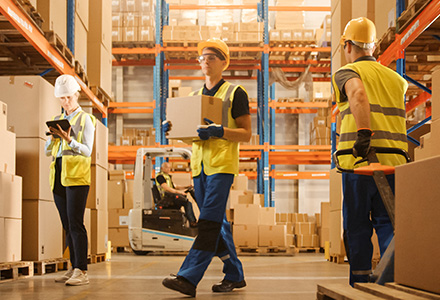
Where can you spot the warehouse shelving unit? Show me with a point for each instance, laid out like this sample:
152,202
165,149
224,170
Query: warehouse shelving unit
36,56
266,153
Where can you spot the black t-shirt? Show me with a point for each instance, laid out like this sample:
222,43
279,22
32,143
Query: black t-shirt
161,180
240,105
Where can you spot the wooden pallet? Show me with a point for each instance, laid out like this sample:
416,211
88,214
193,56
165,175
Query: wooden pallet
60,46
79,70
101,95
100,257
16,270
307,249
337,258
91,259
50,266
265,251
386,40
27,7
410,13
371,291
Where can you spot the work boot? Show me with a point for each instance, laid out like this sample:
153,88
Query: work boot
78,278
66,276
180,284
226,286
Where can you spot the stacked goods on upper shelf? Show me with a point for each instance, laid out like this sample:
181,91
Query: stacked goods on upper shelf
323,34
54,14
138,137
133,21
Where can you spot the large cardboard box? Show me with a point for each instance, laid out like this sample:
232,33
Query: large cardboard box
3,116
336,239
325,214
435,99
385,16
100,26
307,240
267,216
115,194
2,240
12,240
363,8
247,214
34,166
10,196
305,228
118,217
31,103
82,10
7,153
324,236
341,15
119,237
42,230
54,14
81,34
240,182
99,66
336,194
97,198
187,113
99,232
272,235
245,235
129,194
100,146
417,223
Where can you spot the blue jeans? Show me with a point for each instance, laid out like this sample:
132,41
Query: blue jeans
363,209
215,237
71,204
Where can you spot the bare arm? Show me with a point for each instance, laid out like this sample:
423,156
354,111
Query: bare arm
241,134
167,188
359,105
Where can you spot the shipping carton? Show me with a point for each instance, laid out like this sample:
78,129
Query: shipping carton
115,194
325,214
385,16
97,198
99,66
82,10
240,183
246,214
2,240
12,239
336,239
307,240
272,236
119,237
10,195
306,228
81,38
341,15
54,14
118,217
267,216
435,99
187,113
99,233
100,26
336,194
7,154
245,235
100,146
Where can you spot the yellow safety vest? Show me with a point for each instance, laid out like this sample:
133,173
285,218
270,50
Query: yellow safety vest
218,155
385,90
168,180
75,168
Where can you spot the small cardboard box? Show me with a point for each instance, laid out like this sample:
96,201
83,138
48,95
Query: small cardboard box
245,235
267,216
246,214
305,228
10,196
118,217
187,113
115,194
116,175
272,235
118,237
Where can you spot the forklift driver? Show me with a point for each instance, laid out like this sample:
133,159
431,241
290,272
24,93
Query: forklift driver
174,196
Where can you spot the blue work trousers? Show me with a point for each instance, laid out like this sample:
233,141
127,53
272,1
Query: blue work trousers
364,210
71,204
214,237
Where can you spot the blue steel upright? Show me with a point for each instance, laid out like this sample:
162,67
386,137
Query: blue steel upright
71,25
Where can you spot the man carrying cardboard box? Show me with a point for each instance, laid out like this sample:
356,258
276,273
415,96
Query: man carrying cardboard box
214,163
370,98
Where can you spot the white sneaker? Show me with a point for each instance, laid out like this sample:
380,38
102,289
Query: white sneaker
65,277
78,278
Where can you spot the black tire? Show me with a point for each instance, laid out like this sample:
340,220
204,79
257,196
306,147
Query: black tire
140,252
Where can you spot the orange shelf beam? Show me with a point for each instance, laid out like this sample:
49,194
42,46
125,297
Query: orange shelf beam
250,6
299,158
299,175
419,100
299,8
21,22
127,107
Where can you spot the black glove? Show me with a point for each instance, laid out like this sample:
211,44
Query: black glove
362,145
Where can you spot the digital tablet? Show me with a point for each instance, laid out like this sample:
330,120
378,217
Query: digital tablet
64,124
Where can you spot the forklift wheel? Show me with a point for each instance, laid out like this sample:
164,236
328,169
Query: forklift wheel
140,252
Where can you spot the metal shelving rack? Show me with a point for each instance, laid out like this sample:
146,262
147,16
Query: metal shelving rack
267,153
33,35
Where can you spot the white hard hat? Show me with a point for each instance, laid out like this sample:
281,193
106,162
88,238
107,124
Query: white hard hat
66,85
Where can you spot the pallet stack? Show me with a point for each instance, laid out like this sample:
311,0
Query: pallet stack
10,194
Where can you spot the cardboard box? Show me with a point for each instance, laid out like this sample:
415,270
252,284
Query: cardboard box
28,98
259,199
100,28
435,99
131,19
322,90
307,240
128,194
100,146
272,235
364,8
146,34
130,34
240,183
296,217
2,240
147,20
336,194
247,214
42,232
385,16
267,216
245,235
181,179
119,237
117,34
82,10
97,198
7,154
99,67
187,113
118,217
12,240
417,215
325,214
10,196
115,194
324,236
184,91
81,45
3,116
117,19
99,232
341,15
336,239
306,228
54,14
34,166
116,175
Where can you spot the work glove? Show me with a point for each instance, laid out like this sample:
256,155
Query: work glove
362,145
211,129
166,126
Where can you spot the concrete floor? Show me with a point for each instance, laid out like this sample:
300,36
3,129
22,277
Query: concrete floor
132,277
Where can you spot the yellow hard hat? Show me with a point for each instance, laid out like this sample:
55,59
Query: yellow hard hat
361,31
217,44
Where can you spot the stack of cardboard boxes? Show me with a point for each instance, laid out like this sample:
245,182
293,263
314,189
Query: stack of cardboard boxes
133,20
54,14
242,32
138,137
323,34
337,247
120,201
418,209
31,103
10,195
323,224
185,16
320,130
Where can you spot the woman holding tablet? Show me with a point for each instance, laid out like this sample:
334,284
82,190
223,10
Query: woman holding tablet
70,175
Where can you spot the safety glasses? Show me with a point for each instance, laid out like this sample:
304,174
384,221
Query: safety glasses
207,57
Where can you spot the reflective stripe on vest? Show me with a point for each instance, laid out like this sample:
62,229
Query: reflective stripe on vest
385,90
75,169
216,154
168,180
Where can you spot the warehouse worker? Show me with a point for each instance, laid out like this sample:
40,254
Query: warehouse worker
174,195
214,163
70,174
370,99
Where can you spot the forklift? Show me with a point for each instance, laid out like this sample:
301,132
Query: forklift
150,226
